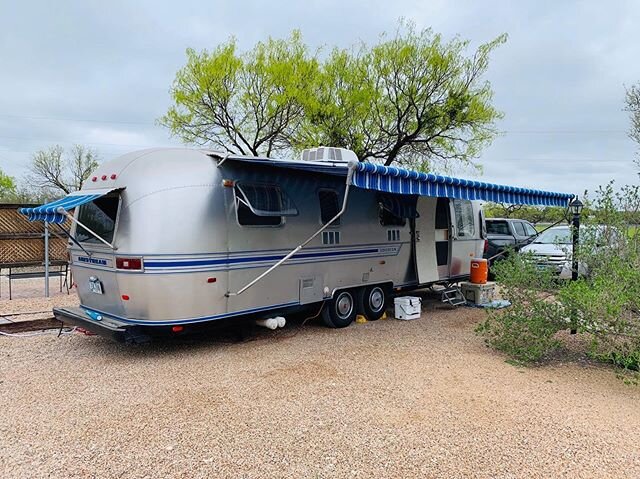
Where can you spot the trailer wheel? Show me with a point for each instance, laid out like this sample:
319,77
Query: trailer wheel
340,311
372,302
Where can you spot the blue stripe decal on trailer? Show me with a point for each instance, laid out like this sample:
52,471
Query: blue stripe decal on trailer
184,263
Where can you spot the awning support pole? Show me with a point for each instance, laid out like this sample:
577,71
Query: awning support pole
97,236
307,241
46,259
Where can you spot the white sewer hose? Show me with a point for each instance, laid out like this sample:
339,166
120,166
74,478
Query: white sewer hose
272,323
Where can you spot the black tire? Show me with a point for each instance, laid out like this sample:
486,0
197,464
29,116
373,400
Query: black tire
340,311
372,302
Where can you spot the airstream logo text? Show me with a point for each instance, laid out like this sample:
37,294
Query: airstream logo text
99,261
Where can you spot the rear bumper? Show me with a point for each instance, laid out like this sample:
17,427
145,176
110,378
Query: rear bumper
107,327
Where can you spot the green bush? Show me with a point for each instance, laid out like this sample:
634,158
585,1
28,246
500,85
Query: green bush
603,304
526,331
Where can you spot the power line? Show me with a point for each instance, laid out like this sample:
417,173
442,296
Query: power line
75,142
81,120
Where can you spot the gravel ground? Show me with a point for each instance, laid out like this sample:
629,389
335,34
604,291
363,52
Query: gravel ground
389,398
28,297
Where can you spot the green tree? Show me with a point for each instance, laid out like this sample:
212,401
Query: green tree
244,103
412,99
533,214
7,187
56,173
632,101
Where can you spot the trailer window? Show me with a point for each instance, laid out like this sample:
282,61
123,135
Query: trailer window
393,210
465,221
262,205
100,217
329,206
387,218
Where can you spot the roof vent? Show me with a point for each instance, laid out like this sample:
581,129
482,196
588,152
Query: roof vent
328,153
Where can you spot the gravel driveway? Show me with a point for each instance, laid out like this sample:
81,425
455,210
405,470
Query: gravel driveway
389,398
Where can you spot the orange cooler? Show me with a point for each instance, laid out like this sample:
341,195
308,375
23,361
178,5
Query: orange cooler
479,270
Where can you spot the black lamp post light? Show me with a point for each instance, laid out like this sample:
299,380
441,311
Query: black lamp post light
576,208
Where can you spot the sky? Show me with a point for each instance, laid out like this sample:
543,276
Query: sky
98,73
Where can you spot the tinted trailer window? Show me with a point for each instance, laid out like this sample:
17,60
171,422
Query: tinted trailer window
100,216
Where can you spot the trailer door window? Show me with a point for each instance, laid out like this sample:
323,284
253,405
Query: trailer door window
329,206
262,205
465,221
100,216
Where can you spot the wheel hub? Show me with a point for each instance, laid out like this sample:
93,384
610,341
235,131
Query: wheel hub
376,299
344,305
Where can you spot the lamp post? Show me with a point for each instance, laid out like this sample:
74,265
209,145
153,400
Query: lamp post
576,208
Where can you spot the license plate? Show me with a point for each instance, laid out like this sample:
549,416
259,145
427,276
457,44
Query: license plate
95,286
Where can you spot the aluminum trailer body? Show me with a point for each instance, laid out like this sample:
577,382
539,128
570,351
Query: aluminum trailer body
173,234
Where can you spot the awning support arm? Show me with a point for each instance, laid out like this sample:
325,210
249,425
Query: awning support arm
76,242
94,234
308,240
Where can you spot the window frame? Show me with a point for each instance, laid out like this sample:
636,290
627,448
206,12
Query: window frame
116,223
535,232
470,216
236,201
338,222
380,209
523,233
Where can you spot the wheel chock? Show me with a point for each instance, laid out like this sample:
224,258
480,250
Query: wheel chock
360,319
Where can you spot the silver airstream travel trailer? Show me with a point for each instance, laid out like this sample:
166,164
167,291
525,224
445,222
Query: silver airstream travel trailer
168,238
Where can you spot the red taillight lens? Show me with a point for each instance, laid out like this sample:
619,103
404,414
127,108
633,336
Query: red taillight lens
486,246
129,263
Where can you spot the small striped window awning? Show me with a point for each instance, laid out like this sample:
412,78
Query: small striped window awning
54,212
391,179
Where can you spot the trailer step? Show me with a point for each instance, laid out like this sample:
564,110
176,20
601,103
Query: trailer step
453,296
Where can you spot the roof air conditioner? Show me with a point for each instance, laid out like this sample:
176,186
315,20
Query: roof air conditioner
328,153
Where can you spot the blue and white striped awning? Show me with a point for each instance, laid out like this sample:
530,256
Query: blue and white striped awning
391,179
54,212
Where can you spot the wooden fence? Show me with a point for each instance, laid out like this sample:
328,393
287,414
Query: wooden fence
22,241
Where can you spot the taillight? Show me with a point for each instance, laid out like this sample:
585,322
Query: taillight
486,246
129,263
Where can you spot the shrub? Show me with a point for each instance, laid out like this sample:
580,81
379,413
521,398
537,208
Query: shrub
526,330
604,303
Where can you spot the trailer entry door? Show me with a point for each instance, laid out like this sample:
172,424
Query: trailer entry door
425,240
464,241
